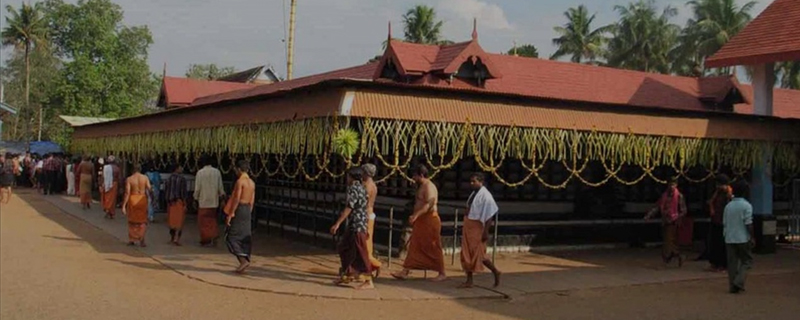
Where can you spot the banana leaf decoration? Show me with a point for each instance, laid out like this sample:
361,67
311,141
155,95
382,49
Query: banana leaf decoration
346,142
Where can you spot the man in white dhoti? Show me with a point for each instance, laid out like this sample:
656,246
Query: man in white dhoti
481,209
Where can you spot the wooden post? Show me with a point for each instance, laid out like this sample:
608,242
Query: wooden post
391,229
494,241
290,47
455,237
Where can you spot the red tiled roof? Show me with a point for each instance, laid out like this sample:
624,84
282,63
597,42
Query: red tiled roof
773,36
538,78
785,102
182,91
361,72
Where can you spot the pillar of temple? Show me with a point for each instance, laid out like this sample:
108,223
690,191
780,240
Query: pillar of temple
761,187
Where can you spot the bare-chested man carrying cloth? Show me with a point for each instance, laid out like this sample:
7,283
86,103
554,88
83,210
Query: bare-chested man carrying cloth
425,245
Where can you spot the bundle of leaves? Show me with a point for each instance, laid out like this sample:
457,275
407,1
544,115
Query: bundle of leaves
346,142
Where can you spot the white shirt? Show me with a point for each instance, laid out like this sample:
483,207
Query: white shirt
208,187
482,206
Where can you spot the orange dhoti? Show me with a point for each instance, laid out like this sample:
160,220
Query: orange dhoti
176,211
110,201
425,245
85,189
137,217
473,248
207,221
376,264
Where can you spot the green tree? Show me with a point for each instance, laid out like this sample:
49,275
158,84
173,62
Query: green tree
420,25
44,65
789,74
26,31
208,71
642,38
105,71
526,50
714,22
577,39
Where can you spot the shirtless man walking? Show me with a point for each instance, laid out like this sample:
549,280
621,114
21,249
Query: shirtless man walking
239,210
425,245
372,193
135,205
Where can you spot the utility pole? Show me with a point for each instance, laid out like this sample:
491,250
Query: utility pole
290,50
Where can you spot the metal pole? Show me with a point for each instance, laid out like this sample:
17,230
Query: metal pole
391,229
455,237
494,241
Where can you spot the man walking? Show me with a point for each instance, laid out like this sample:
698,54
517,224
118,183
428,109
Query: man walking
369,171
738,230
208,190
425,245
50,173
238,211
176,195
111,178
481,208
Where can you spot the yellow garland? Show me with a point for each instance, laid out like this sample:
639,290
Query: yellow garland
394,143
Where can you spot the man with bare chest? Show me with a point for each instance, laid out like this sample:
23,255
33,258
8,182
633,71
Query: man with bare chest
372,193
137,186
425,245
239,210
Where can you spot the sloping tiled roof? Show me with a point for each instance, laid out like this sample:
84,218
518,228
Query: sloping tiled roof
182,91
773,36
243,76
363,72
82,121
538,78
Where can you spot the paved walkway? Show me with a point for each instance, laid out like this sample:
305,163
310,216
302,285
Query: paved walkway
286,267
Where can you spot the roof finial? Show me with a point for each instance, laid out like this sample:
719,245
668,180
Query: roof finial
164,72
474,28
389,37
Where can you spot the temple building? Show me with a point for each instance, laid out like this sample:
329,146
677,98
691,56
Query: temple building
574,153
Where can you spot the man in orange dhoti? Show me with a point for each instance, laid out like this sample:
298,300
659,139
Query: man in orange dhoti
481,208
85,171
425,245
372,192
208,190
135,205
111,178
176,195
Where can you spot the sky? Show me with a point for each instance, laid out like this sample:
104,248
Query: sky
334,34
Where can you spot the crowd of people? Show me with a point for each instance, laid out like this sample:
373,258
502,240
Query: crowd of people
355,224
49,173
730,236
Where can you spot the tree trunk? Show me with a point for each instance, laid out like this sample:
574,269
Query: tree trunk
27,89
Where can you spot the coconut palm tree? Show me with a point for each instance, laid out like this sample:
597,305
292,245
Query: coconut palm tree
714,22
26,30
577,39
643,38
789,74
420,25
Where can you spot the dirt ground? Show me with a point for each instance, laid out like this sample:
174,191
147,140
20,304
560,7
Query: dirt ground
47,271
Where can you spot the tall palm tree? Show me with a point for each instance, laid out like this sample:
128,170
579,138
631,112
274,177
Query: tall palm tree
420,25
643,38
789,73
26,30
577,39
714,22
